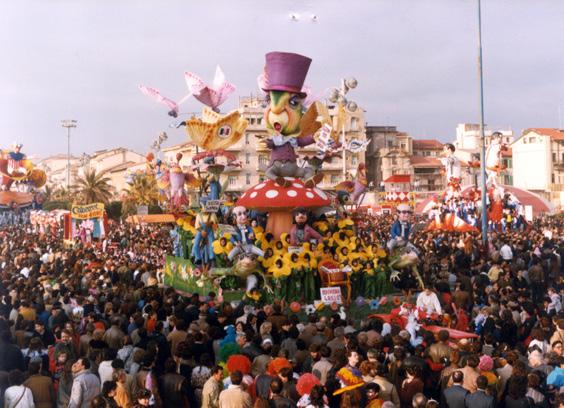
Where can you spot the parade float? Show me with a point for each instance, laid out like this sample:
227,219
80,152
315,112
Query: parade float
20,180
284,238
86,222
459,208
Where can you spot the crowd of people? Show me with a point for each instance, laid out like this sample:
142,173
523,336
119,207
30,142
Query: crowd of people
91,325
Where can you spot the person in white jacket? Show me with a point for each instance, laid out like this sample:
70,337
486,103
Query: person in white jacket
429,302
18,395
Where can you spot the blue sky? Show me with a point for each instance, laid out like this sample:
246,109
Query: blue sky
415,61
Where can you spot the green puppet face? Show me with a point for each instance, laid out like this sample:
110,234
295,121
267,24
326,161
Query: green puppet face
284,112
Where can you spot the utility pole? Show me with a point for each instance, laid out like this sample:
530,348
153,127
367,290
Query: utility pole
482,134
68,123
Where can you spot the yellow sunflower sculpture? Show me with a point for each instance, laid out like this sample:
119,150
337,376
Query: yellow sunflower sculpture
280,268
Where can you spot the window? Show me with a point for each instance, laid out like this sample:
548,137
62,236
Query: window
232,180
248,178
334,179
252,121
259,121
263,160
390,144
354,159
554,157
394,161
246,138
402,146
563,157
247,158
532,139
354,123
552,178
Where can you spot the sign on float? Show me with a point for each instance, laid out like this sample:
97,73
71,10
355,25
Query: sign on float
331,295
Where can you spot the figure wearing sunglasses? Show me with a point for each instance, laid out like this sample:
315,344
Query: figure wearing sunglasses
401,228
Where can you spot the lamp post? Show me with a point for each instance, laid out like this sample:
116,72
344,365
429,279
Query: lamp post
338,95
158,141
68,123
482,135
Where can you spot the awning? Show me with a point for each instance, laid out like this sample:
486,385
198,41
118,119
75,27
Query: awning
150,219
398,178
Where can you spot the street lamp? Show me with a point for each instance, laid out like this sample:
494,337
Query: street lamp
158,141
482,135
338,95
68,123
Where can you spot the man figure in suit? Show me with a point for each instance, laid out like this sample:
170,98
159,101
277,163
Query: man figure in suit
480,399
243,238
455,395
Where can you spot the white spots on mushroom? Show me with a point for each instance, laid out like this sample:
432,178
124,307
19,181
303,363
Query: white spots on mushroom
271,194
292,193
254,194
320,193
309,194
297,185
259,186
243,195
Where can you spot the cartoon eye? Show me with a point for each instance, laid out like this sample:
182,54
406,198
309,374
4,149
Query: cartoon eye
224,131
295,101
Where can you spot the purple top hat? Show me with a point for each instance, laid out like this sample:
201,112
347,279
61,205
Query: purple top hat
286,71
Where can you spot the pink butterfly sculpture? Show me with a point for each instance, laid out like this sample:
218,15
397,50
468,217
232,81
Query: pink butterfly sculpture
155,94
211,96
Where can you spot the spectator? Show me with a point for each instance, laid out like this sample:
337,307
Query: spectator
234,396
85,385
17,395
212,388
41,386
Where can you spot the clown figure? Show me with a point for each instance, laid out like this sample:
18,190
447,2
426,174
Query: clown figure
243,237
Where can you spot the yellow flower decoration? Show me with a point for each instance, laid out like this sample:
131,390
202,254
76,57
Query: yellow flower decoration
258,230
345,223
284,238
266,262
217,247
280,268
278,247
293,260
179,222
321,226
189,228
308,260
355,263
339,240
380,253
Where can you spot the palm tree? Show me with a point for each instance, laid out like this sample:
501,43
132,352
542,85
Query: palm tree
48,192
93,187
142,190
61,194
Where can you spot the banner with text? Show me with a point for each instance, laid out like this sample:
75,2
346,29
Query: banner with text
84,212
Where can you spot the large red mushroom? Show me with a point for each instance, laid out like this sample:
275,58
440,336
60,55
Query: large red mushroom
279,202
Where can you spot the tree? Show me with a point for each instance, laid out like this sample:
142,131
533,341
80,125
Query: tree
141,190
93,187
